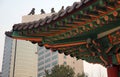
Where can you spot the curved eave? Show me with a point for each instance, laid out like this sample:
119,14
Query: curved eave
106,23
87,31
9,34
65,45
28,39
32,39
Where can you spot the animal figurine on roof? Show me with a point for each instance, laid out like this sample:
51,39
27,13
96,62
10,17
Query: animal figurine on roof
32,12
42,11
52,10
62,8
84,1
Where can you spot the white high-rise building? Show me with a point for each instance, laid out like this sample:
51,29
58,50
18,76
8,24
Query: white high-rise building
7,57
19,59
48,59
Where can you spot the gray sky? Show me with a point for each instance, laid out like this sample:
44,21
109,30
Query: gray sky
11,12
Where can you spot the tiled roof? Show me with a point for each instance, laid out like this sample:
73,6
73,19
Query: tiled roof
52,18
87,30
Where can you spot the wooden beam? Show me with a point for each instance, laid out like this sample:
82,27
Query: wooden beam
107,32
28,39
64,45
51,33
100,10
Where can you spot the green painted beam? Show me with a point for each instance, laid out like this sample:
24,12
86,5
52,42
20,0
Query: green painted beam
89,34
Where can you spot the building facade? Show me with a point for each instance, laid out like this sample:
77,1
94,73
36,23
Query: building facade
20,58
48,59
7,57
17,58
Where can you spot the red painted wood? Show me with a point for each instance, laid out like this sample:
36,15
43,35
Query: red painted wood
112,71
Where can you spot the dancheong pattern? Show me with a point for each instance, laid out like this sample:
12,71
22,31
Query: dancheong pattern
88,30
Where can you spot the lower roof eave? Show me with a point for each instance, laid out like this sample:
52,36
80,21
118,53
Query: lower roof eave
28,39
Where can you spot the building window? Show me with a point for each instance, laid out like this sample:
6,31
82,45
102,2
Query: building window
65,63
41,74
47,55
54,52
55,63
47,66
65,57
54,57
47,60
41,63
41,58
40,48
41,68
41,53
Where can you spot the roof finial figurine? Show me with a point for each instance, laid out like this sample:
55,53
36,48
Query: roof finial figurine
84,1
32,12
52,10
42,11
62,8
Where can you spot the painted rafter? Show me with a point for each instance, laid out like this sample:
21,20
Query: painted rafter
58,26
70,32
98,52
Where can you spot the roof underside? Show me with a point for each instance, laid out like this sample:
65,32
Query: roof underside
88,30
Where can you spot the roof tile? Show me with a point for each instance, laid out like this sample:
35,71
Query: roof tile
49,19
39,22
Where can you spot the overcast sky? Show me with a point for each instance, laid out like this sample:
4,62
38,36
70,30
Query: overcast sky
11,12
